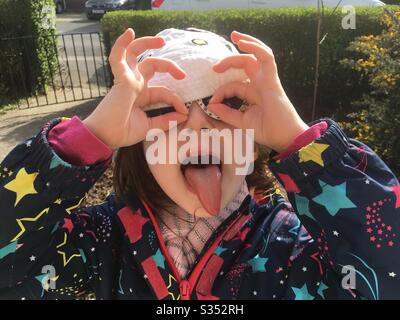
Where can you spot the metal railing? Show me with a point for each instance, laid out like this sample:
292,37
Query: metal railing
76,69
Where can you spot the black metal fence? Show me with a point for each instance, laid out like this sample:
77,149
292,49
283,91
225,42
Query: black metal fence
78,70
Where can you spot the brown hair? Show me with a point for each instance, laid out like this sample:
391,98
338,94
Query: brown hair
133,178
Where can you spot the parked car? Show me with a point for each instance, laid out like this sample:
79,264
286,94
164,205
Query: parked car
216,4
60,6
97,8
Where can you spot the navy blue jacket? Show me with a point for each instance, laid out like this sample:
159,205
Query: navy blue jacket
338,238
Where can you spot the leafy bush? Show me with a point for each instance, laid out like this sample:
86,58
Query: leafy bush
290,32
378,123
27,46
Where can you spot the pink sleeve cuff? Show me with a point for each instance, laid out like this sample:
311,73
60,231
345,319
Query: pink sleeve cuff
76,144
304,139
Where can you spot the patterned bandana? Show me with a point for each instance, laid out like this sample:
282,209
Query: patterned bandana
185,237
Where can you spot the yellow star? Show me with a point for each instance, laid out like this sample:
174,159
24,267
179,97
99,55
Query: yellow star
63,254
21,225
22,184
313,152
70,209
170,279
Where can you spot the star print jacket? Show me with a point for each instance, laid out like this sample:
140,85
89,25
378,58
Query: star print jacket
337,238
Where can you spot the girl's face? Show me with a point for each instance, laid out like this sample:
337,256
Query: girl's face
207,189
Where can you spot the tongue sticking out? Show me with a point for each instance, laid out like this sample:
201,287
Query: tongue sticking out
206,183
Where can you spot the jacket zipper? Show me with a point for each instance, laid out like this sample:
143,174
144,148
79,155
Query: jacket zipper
185,286
184,289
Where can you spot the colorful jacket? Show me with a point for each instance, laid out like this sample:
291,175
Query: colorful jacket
338,238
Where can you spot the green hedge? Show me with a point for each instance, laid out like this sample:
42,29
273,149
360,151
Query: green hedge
27,47
290,32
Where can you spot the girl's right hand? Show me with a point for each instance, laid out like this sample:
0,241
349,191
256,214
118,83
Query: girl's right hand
119,119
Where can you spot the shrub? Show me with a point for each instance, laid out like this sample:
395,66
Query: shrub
378,123
27,46
290,32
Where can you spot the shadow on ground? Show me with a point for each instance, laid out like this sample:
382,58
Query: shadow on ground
19,125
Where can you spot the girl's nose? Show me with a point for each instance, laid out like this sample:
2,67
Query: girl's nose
197,120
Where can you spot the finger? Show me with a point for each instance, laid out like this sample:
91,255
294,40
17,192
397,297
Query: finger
140,45
236,36
263,54
163,122
232,89
241,61
229,115
118,51
149,66
159,94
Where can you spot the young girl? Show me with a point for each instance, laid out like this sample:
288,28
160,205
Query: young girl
175,231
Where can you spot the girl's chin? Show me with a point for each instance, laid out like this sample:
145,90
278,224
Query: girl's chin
202,213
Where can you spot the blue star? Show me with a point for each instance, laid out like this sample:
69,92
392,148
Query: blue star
302,204
57,161
10,248
321,289
258,263
302,293
159,259
334,198
295,229
43,279
218,250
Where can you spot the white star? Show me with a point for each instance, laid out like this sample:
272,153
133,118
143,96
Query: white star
234,251
278,238
305,174
274,296
81,235
304,269
130,290
254,293
145,276
23,298
335,233
134,253
221,273
32,258
367,181
281,282
93,249
392,274
28,143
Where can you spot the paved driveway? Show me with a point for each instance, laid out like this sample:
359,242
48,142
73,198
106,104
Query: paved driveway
18,125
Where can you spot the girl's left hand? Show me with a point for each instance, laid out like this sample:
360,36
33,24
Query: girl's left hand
275,121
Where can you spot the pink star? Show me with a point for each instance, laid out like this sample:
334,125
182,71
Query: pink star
396,190
369,230
389,228
380,202
368,208
368,216
372,238
390,243
288,183
133,223
68,225
379,231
